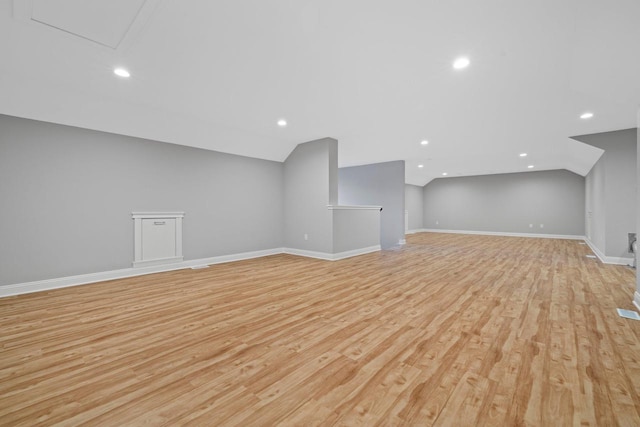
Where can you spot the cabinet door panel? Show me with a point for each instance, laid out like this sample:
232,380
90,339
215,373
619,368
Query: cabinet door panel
158,238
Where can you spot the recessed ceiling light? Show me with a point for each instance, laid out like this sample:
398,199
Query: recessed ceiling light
282,123
444,174
420,166
424,142
586,115
530,166
523,154
121,72
461,63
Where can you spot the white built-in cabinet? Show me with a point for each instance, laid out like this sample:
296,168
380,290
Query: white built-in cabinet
157,238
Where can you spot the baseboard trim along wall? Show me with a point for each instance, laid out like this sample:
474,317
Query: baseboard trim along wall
500,233
85,279
331,257
608,259
417,230
602,257
162,261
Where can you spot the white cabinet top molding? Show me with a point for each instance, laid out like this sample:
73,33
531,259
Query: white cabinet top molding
356,207
135,215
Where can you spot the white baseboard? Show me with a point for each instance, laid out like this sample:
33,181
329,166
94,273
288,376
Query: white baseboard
501,233
154,262
595,250
608,259
414,231
356,252
84,279
602,257
232,257
636,300
309,254
331,257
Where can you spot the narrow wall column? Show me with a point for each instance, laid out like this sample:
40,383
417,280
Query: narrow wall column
310,185
636,297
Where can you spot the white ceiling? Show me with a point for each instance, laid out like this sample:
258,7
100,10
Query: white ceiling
376,75
104,22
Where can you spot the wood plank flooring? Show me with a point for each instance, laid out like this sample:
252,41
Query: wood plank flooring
447,330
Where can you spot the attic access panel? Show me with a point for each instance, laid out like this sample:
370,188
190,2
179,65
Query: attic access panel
105,22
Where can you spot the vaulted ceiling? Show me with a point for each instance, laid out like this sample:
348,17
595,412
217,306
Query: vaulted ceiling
376,75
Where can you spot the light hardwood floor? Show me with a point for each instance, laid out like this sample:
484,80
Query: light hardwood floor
448,330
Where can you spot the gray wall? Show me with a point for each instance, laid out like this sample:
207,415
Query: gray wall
595,225
616,172
68,193
414,204
309,188
508,203
377,184
355,229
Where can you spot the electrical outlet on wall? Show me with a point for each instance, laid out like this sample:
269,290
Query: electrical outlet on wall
530,225
541,225
306,236
437,222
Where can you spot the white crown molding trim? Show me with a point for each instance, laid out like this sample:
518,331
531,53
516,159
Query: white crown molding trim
355,207
84,279
500,233
608,259
332,257
636,300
